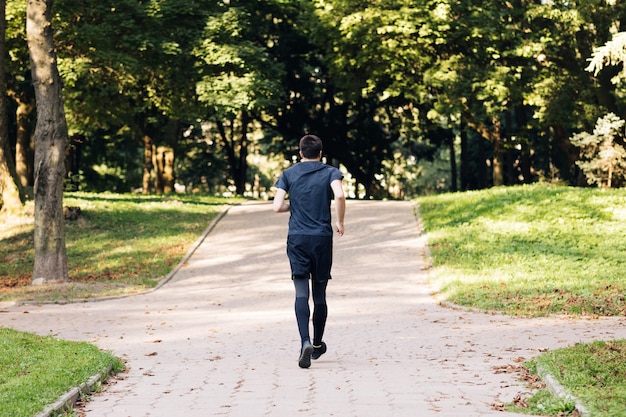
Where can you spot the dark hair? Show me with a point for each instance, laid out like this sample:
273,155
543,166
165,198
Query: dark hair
310,146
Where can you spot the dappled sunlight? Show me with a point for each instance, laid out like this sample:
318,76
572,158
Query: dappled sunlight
226,320
619,213
507,226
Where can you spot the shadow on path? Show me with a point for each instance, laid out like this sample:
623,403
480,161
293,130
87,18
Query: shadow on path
220,339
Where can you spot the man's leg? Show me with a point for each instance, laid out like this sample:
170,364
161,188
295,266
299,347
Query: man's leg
320,310
303,312
322,264
302,317
320,313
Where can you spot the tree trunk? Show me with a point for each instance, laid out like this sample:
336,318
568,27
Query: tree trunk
164,170
11,199
453,171
168,170
236,152
164,156
465,159
242,171
24,149
564,156
498,153
148,150
51,141
481,164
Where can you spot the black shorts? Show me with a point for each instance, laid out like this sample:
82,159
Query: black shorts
310,256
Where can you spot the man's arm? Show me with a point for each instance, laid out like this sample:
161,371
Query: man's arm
340,206
280,205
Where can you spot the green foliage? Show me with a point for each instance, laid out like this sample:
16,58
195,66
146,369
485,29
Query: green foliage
233,58
376,80
35,371
101,58
611,54
603,156
530,250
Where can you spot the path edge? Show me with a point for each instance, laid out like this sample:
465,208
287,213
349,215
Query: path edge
556,389
191,250
68,400
160,284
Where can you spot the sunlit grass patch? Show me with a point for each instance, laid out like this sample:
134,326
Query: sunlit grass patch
121,243
530,250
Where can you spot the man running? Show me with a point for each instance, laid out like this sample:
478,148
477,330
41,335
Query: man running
311,186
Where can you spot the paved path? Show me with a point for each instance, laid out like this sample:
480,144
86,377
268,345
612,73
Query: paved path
220,339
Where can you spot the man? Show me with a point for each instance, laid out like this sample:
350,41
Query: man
311,185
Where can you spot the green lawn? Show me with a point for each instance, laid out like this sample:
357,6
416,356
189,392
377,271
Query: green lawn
533,250
593,372
540,250
122,243
35,371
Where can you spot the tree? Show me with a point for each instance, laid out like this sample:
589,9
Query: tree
355,99
387,84
169,100
240,80
51,141
610,55
10,196
603,155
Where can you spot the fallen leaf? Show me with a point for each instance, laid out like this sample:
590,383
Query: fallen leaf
520,401
498,406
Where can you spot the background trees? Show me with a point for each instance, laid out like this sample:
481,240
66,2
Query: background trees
9,191
409,96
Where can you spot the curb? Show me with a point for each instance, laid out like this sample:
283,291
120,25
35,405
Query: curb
68,400
559,391
160,284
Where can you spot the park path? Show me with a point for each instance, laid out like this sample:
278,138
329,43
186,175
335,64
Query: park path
220,338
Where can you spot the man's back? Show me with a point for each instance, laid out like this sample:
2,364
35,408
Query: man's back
308,185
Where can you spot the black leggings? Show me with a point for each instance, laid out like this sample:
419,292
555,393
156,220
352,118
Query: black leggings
320,309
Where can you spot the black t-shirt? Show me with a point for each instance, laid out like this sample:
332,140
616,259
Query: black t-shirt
308,185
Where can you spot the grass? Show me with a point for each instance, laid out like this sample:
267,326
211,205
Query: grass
532,250
121,244
535,251
35,371
594,373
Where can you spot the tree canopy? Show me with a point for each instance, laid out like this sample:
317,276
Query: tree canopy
408,96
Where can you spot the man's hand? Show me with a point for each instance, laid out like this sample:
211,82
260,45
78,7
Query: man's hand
339,228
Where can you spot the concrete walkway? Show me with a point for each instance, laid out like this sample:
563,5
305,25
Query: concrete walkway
220,339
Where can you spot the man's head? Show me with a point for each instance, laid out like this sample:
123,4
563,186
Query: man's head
311,147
